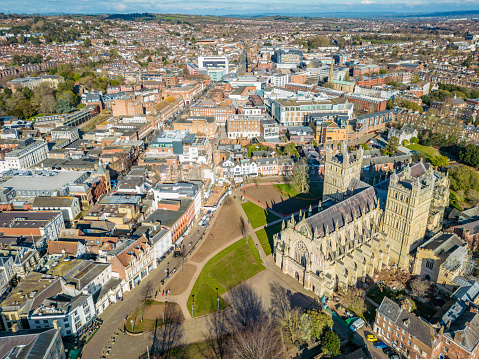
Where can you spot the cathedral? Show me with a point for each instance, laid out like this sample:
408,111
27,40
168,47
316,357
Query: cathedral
365,227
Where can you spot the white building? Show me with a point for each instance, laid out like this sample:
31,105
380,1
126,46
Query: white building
69,206
279,80
22,158
71,313
178,191
214,63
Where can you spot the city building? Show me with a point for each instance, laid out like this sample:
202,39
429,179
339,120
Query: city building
23,158
201,126
293,112
243,126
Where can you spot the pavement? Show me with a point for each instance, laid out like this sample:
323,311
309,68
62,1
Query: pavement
126,346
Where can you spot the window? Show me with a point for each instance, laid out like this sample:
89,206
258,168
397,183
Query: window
389,336
430,263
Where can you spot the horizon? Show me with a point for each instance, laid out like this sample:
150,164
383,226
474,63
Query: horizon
228,8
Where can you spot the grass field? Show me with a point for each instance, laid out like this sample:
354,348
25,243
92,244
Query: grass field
265,237
226,270
427,150
257,215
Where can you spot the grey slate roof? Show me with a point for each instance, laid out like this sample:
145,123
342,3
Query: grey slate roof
344,212
412,324
31,344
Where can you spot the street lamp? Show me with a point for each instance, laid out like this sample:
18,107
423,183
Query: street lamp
192,306
218,299
131,321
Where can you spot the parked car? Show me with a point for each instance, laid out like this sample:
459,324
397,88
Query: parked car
371,338
388,351
394,356
380,345
358,323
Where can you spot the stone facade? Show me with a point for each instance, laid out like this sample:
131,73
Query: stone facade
339,171
369,227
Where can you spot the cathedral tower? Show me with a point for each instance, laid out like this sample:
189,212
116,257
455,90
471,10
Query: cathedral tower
339,170
406,214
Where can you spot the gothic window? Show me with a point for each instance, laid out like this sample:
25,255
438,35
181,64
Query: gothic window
301,253
430,263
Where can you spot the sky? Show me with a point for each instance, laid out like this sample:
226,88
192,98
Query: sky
231,7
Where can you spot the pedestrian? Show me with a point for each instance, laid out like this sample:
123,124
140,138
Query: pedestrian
168,291
163,292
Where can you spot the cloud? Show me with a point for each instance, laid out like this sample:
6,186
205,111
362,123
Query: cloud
367,2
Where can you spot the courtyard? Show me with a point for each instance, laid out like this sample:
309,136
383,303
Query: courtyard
277,198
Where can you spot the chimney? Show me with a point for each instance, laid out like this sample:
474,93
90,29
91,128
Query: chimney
15,328
406,305
55,324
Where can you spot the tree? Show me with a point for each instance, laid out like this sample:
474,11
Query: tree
320,322
26,108
280,303
405,142
63,106
87,43
440,161
300,179
147,291
242,225
463,178
67,85
414,140
392,146
297,326
419,287
470,155
331,344
262,341
356,300
48,105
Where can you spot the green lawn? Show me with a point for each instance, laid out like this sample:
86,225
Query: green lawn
429,151
265,237
284,187
315,191
257,215
226,270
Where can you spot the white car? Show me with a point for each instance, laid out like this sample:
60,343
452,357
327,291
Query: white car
358,323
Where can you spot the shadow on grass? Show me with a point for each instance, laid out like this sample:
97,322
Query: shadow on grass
265,237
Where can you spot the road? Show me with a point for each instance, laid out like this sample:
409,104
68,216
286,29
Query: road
113,317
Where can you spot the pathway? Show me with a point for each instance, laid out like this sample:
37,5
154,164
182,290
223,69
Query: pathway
113,317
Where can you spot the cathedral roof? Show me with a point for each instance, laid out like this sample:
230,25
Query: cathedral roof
344,212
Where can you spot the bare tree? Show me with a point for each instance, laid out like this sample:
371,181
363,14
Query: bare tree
217,338
419,287
167,339
262,341
247,308
280,302
300,178
147,291
356,299
242,225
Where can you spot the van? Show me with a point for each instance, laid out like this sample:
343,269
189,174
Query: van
358,323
